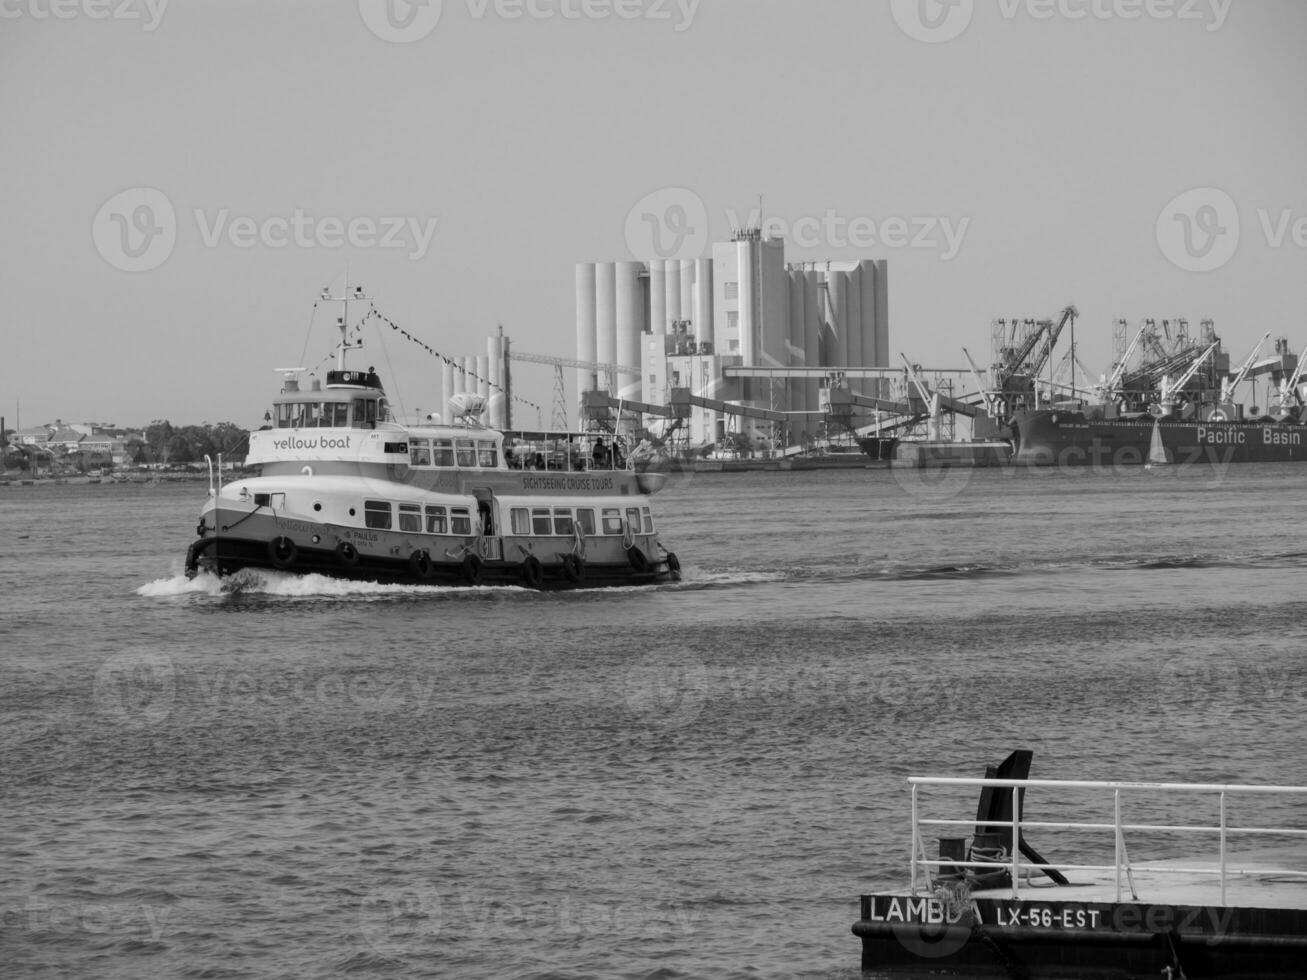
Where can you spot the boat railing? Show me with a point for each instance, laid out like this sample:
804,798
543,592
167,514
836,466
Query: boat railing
1223,828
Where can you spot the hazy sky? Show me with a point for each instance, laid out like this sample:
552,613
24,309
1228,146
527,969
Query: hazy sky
1133,158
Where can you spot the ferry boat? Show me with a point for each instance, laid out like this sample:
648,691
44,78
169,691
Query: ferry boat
346,490
991,905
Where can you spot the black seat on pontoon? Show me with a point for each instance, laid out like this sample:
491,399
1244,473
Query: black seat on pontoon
996,805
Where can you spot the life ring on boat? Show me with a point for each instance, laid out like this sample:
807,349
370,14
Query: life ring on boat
574,568
347,553
638,559
674,566
472,569
533,573
282,552
420,564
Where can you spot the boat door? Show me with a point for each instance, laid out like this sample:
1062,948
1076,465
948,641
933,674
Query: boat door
492,543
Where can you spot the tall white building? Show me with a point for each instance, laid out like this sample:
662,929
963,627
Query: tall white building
681,322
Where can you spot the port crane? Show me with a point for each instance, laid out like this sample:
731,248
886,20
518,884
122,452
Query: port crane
1111,387
1228,385
558,419
1167,391
1288,390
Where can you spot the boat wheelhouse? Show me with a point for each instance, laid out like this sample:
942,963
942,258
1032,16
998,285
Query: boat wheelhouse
345,489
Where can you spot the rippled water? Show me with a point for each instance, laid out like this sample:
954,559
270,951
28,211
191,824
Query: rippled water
282,776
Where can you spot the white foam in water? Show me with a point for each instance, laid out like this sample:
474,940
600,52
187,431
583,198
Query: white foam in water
267,582
204,582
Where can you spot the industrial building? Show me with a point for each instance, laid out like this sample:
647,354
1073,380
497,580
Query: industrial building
669,323
742,327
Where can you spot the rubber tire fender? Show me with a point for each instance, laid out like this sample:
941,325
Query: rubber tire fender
533,573
472,569
282,552
638,559
420,564
674,566
574,568
347,553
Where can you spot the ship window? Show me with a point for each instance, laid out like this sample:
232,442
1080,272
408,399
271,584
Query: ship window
358,412
460,520
419,452
585,516
521,519
486,455
563,520
410,517
376,513
395,447
370,411
442,452
540,521
339,412
648,520
612,520
465,452
436,521
283,416
633,519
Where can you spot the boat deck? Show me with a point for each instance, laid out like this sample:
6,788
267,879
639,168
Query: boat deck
1259,882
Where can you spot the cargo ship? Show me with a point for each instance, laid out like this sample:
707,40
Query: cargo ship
1169,398
1070,437
1167,882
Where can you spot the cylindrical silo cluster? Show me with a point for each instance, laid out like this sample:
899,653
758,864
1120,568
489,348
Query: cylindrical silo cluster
610,318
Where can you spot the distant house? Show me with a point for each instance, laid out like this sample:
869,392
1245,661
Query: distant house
36,435
66,438
97,444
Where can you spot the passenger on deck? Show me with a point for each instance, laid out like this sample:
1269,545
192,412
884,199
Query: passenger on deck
540,461
600,455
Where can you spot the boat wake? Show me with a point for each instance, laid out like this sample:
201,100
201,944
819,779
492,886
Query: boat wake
260,582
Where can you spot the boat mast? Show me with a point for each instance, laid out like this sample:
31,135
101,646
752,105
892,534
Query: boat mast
342,321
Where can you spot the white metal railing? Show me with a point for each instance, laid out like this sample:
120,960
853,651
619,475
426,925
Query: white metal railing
1121,865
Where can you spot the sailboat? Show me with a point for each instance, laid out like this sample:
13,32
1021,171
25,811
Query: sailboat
1156,451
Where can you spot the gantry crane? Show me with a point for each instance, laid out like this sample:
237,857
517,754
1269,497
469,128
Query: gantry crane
558,420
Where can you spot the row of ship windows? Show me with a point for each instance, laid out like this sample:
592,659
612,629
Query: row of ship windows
302,415
439,519
453,452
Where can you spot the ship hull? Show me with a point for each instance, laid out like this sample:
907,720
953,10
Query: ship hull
1063,438
1061,938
